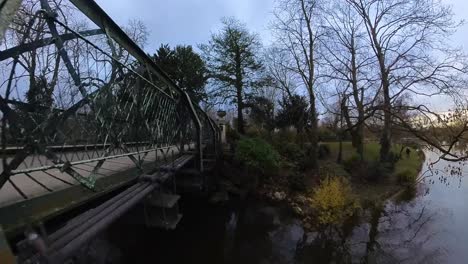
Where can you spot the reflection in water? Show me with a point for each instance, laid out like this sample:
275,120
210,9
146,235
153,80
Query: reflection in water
423,225
262,234
392,233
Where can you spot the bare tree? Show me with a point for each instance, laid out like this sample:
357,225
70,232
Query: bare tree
349,64
407,38
297,28
278,65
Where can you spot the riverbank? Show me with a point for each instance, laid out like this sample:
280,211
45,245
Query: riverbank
366,191
428,229
407,166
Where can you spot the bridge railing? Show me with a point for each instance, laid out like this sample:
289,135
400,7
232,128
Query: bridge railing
77,89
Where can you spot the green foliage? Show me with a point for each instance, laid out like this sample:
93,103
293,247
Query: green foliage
297,182
371,170
233,59
333,201
185,67
410,165
254,131
408,194
375,171
406,177
291,151
294,111
326,134
351,163
261,112
40,100
232,135
257,154
323,151
393,158
284,136
308,162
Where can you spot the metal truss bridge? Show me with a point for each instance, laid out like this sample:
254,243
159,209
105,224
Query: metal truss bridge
90,126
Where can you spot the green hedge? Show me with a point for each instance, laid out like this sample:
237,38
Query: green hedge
257,154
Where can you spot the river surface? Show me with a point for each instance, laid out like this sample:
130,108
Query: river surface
428,227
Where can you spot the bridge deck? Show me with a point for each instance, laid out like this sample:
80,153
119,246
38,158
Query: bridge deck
31,184
60,191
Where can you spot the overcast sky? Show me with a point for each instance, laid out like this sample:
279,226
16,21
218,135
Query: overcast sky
191,22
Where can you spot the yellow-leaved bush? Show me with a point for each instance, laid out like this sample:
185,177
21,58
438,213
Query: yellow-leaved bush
333,201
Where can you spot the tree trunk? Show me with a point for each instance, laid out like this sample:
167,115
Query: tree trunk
385,140
240,113
239,88
355,130
310,86
358,137
339,159
313,135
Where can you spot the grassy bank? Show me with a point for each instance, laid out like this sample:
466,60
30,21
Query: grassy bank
389,184
283,170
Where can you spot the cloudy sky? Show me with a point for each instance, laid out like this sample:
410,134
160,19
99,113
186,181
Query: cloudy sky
191,22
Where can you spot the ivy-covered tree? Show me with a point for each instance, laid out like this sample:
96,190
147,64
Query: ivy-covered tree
233,60
185,67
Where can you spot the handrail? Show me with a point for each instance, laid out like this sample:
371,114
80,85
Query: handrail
132,101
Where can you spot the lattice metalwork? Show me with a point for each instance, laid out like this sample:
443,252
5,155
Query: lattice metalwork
78,93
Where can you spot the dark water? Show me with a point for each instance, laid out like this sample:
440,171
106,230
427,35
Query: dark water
429,227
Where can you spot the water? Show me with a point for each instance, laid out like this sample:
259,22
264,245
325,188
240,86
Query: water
430,227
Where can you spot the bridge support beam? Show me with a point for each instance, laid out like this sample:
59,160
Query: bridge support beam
199,127
214,132
94,12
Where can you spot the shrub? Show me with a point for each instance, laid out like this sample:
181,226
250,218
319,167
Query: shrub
392,159
333,201
323,151
284,136
326,134
408,194
406,177
232,134
254,131
375,171
371,171
297,182
291,151
352,163
307,163
257,154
